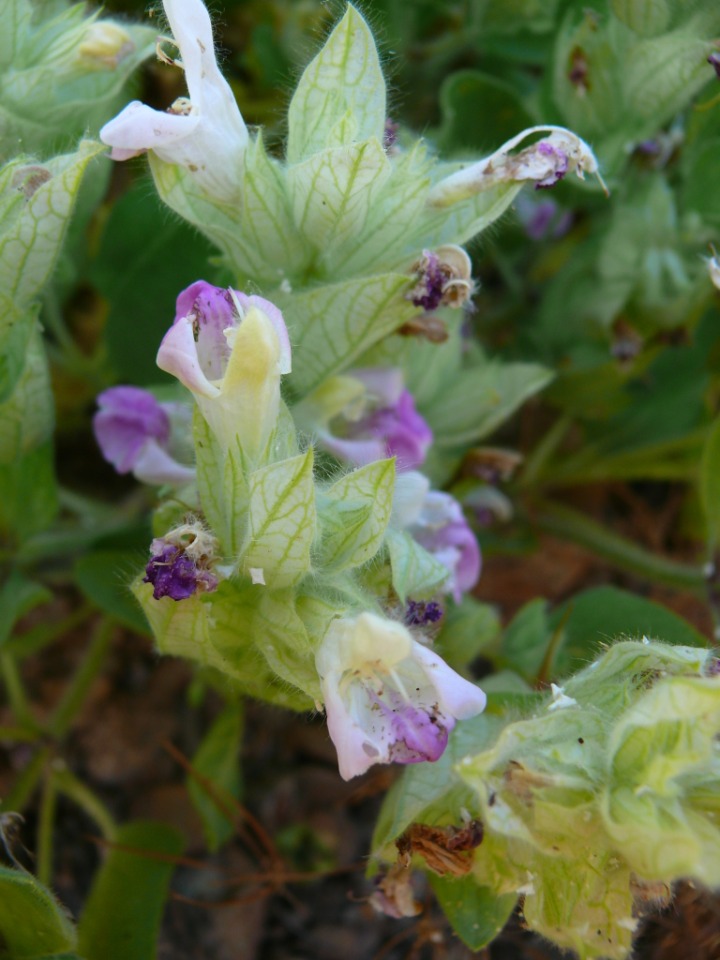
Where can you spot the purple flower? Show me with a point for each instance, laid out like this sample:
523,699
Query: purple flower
443,530
391,428
174,573
443,278
230,350
558,164
134,433
420,613
714,61
388,698
544,219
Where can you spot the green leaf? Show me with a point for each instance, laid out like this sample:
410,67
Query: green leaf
341,95
105,576
415,572
282,639
332,325
218,759
467,94
18,596
123,913
28,494
646,17
526,639
332,192
475,912
138,234
27,415
468,628
480,399
356,511
710,485
603,614
32,923
281,520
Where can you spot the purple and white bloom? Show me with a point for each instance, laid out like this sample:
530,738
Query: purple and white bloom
180,562
388,698
204,133
139,435
713,268
443,278
386,424
436,521
229,350
543,163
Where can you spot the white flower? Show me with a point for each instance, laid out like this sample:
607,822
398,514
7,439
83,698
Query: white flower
387,697
206,133
543,163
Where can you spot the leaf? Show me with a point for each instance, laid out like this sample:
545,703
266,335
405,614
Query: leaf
332,192
218,759
475,912
480,399
332,325
415,572
710,485
282,639
123,912
28,494
468,628
140,235
601,615
104,577
355,515
32,923
281,520
467,94
18,596
341,94
27,415
526,639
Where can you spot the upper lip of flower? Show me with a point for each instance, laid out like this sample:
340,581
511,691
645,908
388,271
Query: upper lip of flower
211,105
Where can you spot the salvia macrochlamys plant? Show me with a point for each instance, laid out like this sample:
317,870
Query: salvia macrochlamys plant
327,387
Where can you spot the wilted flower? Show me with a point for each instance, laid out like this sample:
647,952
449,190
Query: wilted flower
387,697
543,163
444,278
180,561
384,424
230,350
135,433
206,133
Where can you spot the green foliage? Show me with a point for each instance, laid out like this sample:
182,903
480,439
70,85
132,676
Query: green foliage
32,923
217,760
123,913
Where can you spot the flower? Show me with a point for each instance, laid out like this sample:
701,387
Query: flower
713,268
230,350
436,521
388,698
444,278
180,561
543,163
206,133
392,427
135,434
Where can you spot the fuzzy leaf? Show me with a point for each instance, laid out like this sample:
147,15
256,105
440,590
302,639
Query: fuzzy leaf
218,759
32,923
480,399
123,913
710,485
282,639
415,572
333,192
281,520
476,913
332,325
355,515
341,94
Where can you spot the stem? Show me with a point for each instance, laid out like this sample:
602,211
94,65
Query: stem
576,527
16,691
18,735
45,633
75,790
535,463
25,784
46,820
78,687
